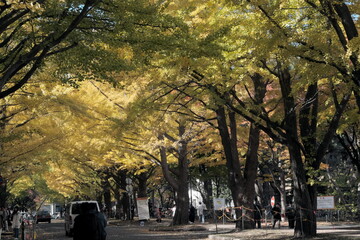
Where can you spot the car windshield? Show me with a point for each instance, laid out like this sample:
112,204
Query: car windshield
76,208
43,213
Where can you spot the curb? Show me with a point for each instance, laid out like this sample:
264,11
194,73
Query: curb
220,237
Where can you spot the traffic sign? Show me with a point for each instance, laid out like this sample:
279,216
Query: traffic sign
272,201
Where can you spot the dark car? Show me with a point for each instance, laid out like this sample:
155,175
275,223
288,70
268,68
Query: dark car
43,216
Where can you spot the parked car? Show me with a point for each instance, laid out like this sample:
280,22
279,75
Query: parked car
56,215
43,216
72,210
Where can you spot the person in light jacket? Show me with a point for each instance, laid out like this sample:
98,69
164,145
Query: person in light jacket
16,222
201,209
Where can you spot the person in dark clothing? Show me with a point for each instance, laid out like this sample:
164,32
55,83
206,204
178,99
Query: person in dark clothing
192,213
290,214
158,214
102,223
89,224
276,212
257,215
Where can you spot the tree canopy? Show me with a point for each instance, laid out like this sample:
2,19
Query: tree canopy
89,87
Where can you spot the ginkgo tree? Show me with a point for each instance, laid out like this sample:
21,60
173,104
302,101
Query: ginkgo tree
290,68
274,50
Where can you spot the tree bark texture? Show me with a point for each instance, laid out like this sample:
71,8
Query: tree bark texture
178,178
306,220
241,181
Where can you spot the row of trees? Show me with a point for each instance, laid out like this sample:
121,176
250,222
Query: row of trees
195,83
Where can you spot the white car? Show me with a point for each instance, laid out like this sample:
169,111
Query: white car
56,215
72,210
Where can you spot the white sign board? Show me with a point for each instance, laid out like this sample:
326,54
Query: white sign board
219,203
325,202
143,208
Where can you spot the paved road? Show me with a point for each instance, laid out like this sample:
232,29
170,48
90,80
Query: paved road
55,231
126,231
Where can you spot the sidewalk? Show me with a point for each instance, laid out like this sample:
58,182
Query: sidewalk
226,231
325,231
28,233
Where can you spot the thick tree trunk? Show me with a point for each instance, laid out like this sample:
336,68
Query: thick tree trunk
125,198
250,174
178,178
182,198
242,182
306,221
107,197
182,206
117,197
117,176
242,187
208,193
142,185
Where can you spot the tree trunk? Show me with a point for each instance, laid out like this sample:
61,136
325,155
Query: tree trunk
125,198
178,178
306,226
142,184
242,187
208,193
107,197
242,182
208,189
117,197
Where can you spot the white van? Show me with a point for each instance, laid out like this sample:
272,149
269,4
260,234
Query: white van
72,210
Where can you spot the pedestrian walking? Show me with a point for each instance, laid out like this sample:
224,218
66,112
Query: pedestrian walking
192,213
158,214
7,219
173,210
276,212
16,222
290,214
2,222
201,209
257,215
89,224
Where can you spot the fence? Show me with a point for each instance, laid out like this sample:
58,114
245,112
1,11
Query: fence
337,215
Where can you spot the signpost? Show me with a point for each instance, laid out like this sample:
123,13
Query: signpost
219,204
325,202
143,208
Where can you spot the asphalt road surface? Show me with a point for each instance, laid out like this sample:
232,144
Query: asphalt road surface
55,231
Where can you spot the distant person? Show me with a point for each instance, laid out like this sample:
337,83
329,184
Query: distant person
201,209
257,215
16,222
192,213
7,219
173,210
158,214
290,214
2,220
89,224
276,212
